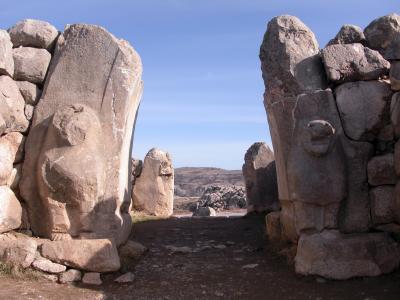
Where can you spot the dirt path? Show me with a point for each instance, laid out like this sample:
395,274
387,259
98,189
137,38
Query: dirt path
223,258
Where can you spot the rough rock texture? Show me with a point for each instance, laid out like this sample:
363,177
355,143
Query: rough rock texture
364,108
89,255
45,265
381,170
74,184
395,113
395,76
132,249
33,33
348,34
137,166
12,106
29,91
6,54
10,210
383,34
17,250
259,172
204,212
30,64
92,278
125,278
353,62
70,276
273,225
334,255
223,197
383,206
153,192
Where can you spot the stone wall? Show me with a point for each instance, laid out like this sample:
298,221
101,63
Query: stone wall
334,121
68,105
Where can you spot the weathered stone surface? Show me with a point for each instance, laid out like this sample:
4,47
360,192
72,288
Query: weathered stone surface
397,203
98,255
70,276
16,142
10,210
125,278
92,91
154,189
383,34
29,91
137,166
45,265
29,111
12,106
6,162
132,249
348,34
294,45
353,62
6,54
334,255
395,113
364,108
381,170
273,225
204,212
92,278
30,64
259,173
382,204
17,250
3,125
33,33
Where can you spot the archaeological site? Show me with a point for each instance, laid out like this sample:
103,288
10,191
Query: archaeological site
315,214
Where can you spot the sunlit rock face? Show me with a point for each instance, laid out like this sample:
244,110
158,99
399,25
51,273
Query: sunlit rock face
76,174
334,136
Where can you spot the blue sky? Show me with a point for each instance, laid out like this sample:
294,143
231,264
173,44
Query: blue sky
203,89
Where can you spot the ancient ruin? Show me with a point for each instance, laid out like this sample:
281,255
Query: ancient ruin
333,116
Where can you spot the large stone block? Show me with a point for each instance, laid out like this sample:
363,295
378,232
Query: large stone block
31,64
10,210
364,108
12,106
74,183
395,75
33,33
383,206
153,192
29,91
381,170
341,256
292,44
98,255
259,173
353,62
383,34
348,34
6,54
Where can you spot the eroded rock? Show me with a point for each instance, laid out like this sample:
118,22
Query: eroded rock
10,210
30,64
92,278
348,34
381,170
48,266
17,250
6,54
29,91
71,275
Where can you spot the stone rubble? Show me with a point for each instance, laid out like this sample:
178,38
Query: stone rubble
221,197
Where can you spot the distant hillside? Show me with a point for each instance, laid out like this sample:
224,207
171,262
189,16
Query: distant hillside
191,182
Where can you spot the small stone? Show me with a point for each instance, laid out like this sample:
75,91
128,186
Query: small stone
382,204
221,247
10,210
33,33
45,265
125,278
250,266
132,249
29,91
71,275
175,249
204,212
92,278
30,64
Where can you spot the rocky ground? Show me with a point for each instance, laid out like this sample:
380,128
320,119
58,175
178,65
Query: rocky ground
207,258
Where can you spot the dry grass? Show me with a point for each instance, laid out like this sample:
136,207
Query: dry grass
17,272
139,217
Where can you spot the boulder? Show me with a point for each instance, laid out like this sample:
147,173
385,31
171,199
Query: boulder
92,91
12,106
45,265
395,113
29,111
334,255
153,192
204,212
273,226
10,210
6,54
31,64
292,44
33,33
29,91
71,275
348,34
259,173
383,34
364,108
137,166
92,278
17,250
97,255
3,125
381,170
383,204
352,62
16,142
395,76
6,162
220,197
132,249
